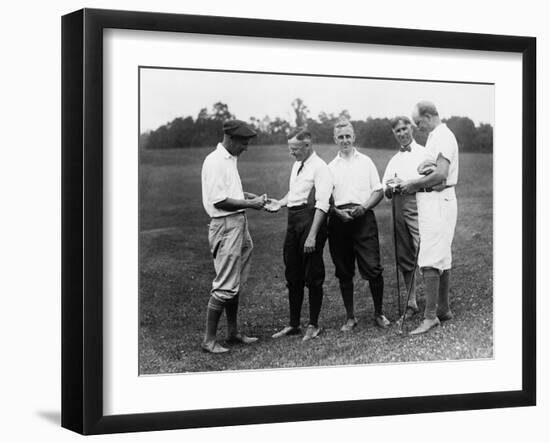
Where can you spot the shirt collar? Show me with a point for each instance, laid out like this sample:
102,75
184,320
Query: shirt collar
414,146
223,151
309,159
438,128
354,153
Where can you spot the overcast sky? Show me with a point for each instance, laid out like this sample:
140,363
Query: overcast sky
168,93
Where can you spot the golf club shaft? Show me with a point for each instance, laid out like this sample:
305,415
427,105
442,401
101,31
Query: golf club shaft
409,289
396,258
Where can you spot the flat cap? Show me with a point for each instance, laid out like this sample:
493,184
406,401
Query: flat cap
238,128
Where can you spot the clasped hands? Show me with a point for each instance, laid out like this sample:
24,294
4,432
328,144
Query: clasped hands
350,214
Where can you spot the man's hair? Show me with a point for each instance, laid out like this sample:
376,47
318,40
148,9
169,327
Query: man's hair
300,134
425,107
400,118
342,123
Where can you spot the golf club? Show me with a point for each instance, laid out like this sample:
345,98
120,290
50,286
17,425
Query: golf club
395,253
409,290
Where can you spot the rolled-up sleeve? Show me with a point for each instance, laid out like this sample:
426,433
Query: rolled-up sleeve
323,187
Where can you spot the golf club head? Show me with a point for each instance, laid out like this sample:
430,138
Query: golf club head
399,324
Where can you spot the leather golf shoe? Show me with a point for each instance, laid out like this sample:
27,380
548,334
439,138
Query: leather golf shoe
213,347
287,330
425,326
381,321
241,339
445,316
311,332
349,325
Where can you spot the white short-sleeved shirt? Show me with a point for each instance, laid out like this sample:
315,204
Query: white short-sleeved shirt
314,173
354,178
442,141
220,180
404,164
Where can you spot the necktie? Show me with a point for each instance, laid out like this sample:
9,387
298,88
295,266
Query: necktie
405,148
300,168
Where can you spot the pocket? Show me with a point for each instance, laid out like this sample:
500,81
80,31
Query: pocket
216,235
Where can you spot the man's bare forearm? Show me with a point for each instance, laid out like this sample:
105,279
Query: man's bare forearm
233,204
318,219
374,199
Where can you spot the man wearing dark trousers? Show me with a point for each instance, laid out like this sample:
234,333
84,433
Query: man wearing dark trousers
230,242
353,232
308,203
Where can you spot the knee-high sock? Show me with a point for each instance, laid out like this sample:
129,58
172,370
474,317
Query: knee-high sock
213,314
431,288
315,302
408,277
231,309
377,290
346,288
295,299
443,300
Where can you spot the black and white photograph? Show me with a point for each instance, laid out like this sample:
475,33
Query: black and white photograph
299,221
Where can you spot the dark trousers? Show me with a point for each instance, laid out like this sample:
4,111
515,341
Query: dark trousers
357,241
301,269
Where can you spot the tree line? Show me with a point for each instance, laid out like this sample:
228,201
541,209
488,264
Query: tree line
206,130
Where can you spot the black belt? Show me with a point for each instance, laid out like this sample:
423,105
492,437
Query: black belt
431,189
348,206
298,208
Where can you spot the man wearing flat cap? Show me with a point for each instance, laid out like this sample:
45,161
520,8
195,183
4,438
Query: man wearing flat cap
437,212
308,202
230,242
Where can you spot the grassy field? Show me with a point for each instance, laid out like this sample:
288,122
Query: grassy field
176,273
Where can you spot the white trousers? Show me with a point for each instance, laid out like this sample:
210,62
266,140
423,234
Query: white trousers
437,214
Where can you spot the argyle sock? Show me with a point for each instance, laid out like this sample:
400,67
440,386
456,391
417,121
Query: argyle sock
213,314
315,302
295,299
431,289
377,290
346,289
408,277
443,299
231,309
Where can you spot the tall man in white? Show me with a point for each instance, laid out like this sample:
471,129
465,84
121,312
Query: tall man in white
230,242
353,232
403,166
437,212
308,203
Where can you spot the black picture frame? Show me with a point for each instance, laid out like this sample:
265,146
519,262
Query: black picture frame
82,218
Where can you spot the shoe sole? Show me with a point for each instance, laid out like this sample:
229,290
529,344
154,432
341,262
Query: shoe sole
214,352
292,332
